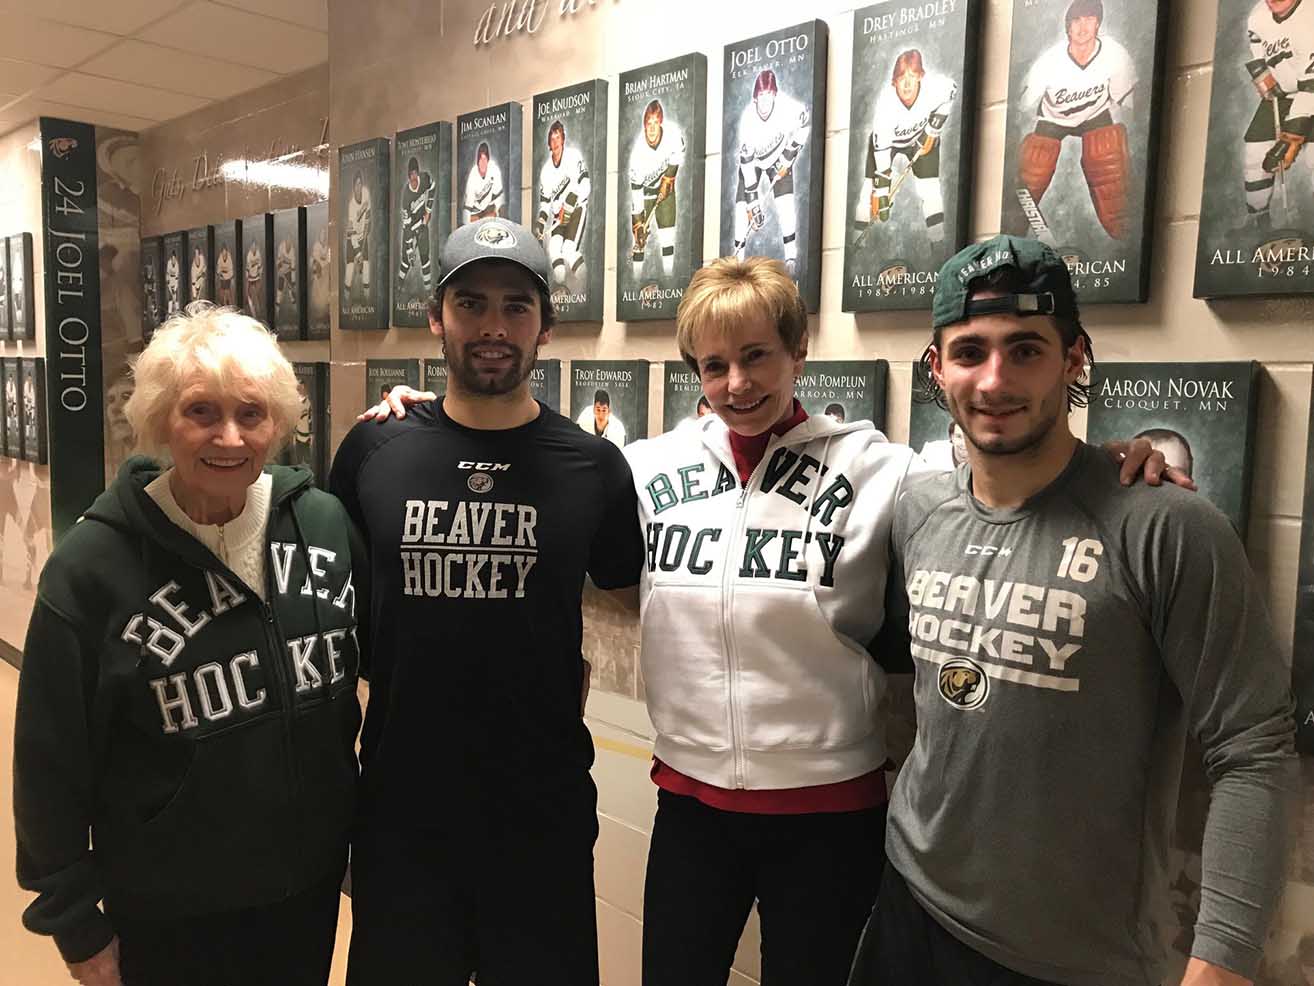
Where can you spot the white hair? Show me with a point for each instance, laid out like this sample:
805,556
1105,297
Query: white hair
230,350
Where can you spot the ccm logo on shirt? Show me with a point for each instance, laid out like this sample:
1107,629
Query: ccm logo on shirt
988,550
485,466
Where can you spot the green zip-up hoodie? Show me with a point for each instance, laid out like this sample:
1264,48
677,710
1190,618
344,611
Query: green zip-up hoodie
205,738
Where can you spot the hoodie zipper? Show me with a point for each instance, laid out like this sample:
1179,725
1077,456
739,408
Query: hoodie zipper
727,608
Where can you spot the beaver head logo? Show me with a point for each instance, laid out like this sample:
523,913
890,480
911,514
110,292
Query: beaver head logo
963,683
495,234
61,147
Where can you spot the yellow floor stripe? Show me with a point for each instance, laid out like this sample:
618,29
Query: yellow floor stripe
624,749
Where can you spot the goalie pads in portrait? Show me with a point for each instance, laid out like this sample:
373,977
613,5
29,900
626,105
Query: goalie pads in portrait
1083,96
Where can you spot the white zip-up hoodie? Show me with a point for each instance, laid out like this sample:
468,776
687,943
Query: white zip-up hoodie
758,603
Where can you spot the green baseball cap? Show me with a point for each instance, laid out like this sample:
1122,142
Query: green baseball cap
1047,283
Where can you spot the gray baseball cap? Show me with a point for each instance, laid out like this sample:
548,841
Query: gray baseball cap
492,239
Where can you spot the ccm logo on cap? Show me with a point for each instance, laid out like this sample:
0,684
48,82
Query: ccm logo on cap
495,235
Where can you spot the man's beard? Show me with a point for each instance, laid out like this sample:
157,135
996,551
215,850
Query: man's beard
1028,440
487,385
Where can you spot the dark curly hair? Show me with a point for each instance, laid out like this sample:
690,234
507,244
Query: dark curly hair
1007,280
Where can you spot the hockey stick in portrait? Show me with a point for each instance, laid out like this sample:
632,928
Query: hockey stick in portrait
894,188
1277,135
1035,218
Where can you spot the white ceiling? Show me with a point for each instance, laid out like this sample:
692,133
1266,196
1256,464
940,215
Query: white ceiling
136,63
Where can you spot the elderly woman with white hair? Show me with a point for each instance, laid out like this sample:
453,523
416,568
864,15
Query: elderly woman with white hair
184,764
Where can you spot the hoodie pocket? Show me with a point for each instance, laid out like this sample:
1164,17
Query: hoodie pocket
799,684
684,664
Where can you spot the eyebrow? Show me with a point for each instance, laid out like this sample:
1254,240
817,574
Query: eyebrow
1022,335
480,296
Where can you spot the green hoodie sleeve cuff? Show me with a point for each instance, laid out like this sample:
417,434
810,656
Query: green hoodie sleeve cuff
86,939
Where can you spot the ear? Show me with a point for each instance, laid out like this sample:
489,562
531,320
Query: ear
435,325
937,367
801,356
545,336
1075,360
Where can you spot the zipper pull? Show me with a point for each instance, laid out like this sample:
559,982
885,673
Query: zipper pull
743,495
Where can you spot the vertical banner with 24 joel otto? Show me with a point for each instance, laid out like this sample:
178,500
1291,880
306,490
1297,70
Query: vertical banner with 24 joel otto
1083,120
910,142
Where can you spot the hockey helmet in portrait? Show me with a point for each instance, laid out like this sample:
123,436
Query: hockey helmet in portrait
422,186
488,163
909,153
1257,212
363,246
1081,131
662,137
569,194
772,150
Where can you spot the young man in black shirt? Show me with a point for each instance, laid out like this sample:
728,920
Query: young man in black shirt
483,513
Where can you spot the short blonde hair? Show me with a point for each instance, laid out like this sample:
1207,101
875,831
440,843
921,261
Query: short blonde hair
226,347
729,292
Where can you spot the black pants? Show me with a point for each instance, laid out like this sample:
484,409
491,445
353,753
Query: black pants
905,946
284,944
512,902
814,878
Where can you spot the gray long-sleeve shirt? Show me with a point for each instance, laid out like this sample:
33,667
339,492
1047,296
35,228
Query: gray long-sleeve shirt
1064,651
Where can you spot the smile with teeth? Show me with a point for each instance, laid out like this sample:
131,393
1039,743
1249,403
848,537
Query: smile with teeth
218,463
747,408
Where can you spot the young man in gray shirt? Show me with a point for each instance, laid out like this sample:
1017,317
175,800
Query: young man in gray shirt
1068,634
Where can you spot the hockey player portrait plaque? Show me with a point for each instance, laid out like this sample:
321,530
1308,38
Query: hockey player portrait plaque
152,286
11,379
569,194
1302,645
545,382
33,383
661,146
22,288
289,287
1201,416
381,375
932,432
682,395
363,245
847,390
773,144
308,443
1257,214
257,256
1082,128
319,268
910,142
6,325
488,163
200,263
227,264
177,282
609,398
422,183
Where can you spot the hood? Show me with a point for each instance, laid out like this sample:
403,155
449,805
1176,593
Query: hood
126,506
716,434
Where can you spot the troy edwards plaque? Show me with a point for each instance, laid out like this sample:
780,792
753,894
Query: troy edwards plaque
488,163
1082,126
363,243
773,144
1257,214
609,398
570,194
909,163
422,179
661,142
